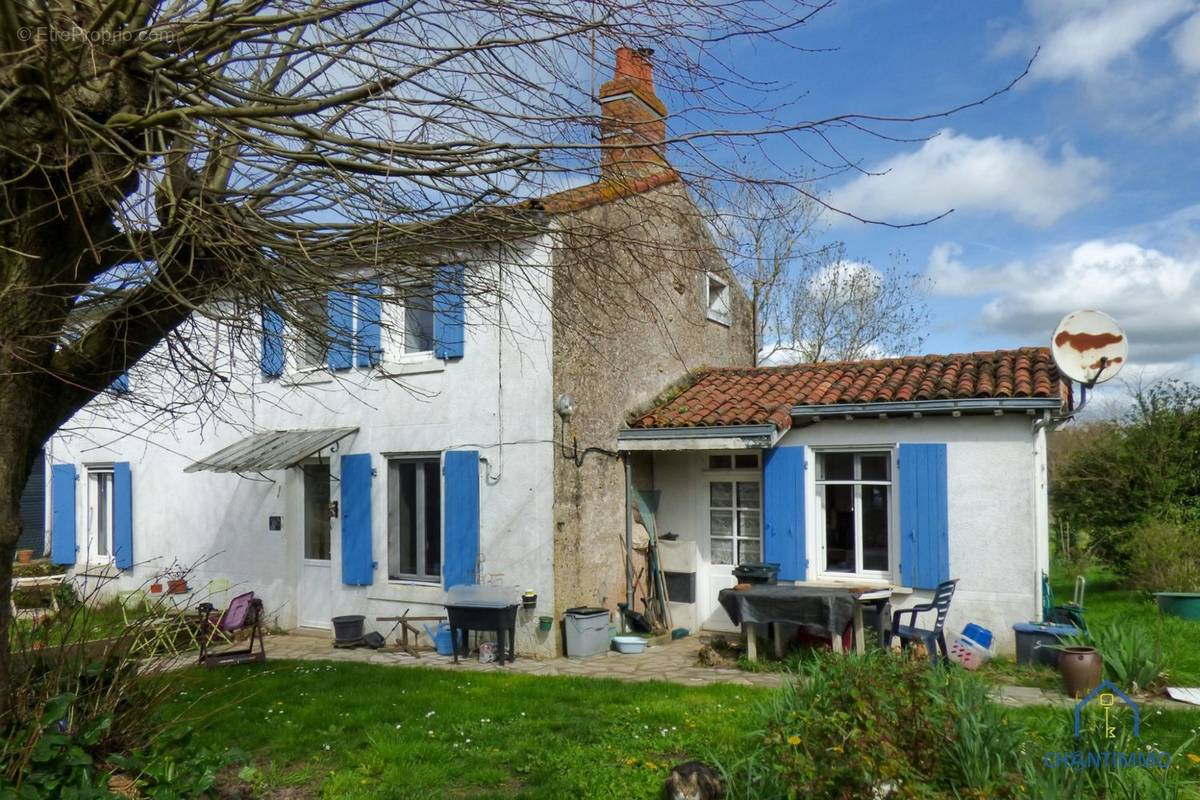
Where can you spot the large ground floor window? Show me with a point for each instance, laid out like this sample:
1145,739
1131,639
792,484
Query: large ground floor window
854,493
100,513
414,519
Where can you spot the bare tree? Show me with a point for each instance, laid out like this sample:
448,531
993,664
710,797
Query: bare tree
834,309
169,167
811,302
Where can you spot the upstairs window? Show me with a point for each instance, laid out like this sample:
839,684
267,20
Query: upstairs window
416,308
717,298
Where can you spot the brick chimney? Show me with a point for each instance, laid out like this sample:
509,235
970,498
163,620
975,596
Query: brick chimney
633,125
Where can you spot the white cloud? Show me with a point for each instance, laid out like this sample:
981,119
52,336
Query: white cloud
1084,39
1185,44
956,171
1153,295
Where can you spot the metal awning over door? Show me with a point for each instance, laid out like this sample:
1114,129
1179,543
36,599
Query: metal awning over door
270,450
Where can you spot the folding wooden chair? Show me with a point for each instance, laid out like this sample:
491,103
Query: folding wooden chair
245,612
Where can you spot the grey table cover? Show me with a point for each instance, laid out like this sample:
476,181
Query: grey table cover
826,607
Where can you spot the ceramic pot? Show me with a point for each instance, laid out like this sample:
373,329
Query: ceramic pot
24,556
1081,669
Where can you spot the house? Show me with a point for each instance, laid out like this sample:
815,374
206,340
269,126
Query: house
419,447
899,472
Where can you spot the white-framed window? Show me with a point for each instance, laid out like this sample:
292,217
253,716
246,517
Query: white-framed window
414,518
854,499
735,520
100,520
733,461
408,322
716,295
308,337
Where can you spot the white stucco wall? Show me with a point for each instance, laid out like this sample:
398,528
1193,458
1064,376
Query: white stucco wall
997,511
496,399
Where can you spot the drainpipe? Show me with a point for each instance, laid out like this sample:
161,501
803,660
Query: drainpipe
628,533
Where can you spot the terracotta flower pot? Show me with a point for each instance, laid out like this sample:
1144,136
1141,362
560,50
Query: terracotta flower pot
24,556
177,586
156,588
1081,669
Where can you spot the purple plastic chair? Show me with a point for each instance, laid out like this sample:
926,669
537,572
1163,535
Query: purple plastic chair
245,611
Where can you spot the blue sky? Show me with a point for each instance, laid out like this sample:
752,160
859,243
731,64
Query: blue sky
1079,188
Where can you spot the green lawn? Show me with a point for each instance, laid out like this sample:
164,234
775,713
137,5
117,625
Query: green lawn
363,731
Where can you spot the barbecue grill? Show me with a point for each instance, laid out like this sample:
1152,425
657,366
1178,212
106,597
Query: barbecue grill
482,608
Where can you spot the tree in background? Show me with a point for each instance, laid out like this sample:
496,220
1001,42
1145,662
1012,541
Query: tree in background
813,303
1131,485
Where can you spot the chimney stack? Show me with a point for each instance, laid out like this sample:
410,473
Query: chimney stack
633,125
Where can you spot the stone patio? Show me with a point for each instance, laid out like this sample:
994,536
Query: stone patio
673,661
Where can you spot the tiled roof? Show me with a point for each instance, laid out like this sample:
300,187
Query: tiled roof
749,396
604,191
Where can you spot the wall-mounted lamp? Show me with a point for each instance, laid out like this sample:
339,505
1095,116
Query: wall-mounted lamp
564,406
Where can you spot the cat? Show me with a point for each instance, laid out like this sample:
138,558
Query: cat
694,780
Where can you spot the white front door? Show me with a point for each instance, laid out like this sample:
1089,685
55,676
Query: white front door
315,596
733,519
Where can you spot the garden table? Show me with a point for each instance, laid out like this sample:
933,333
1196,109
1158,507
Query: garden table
827,608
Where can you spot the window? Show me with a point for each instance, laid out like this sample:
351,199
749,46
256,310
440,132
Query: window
309,334
717,298
734,521
854,491
414,519
316,512
734,461
100,513
417,302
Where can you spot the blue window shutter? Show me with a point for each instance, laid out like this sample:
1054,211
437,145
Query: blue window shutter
358,568
122,515
367,325
341,330
449,312
62,513
121,384
460,537
783,511
272,343
924,516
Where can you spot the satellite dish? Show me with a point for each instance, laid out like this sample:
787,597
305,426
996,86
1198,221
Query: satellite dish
1089,347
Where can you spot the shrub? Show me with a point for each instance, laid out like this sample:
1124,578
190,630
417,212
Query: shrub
850,727
84,705
1162,553
1132,659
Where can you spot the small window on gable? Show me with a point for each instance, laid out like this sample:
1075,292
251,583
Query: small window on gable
717,297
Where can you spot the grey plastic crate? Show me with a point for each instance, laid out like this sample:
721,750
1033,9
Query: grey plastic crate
587,631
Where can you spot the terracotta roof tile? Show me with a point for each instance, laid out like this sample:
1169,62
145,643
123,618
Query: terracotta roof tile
749,396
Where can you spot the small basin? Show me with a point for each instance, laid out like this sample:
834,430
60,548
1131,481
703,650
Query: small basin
1185,605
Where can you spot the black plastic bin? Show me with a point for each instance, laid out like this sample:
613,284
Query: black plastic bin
348,629
758,572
